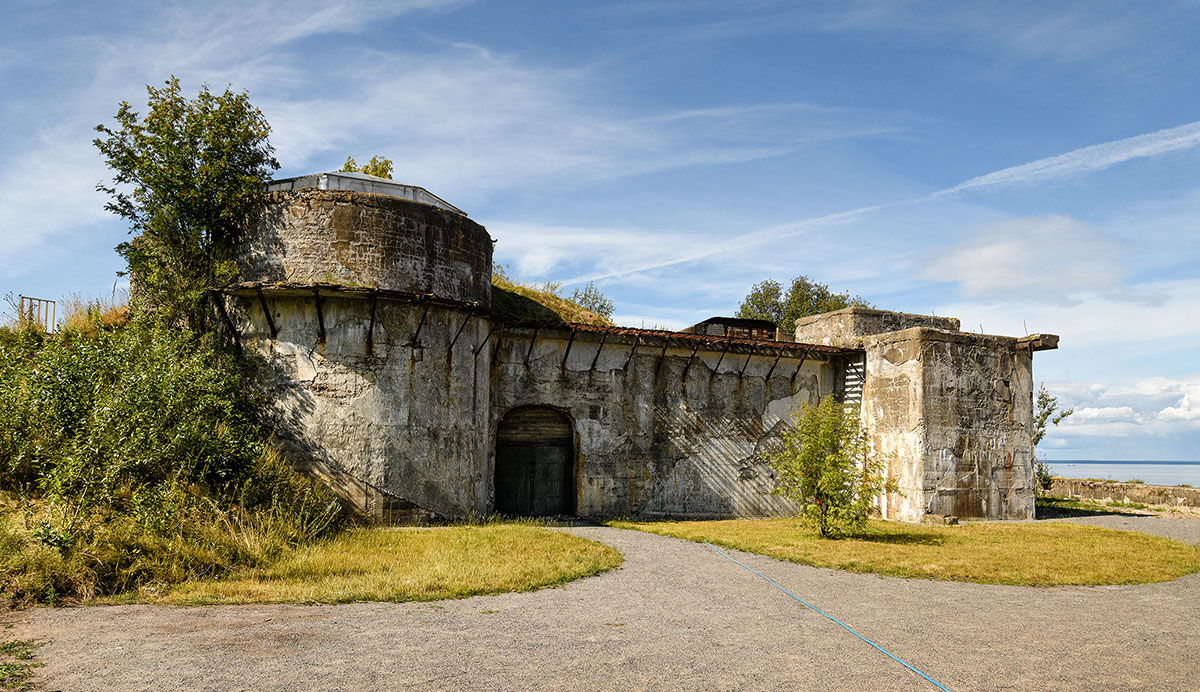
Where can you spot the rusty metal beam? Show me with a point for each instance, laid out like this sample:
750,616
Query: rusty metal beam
637,342
421,323
466,320
219,302
803,358
320,317
603,337
690,359
777,357
742,372
486,339
568,351
371,328
262,301
718,365
532,341
662,354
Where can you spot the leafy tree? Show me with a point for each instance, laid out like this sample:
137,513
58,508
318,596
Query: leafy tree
378,166
822,460
592,299
186,177
767,301
1047,412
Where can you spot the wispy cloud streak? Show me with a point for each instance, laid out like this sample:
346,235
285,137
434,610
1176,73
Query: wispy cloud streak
1085,160
1077,162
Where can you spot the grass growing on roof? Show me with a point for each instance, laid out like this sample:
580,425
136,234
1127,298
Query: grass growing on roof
404,564
1044,554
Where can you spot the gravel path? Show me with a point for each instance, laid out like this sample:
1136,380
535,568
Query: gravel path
676,616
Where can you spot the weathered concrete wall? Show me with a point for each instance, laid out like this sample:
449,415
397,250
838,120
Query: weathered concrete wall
650,442
362,239
400,431
1113,491
408,430
848,326
951,414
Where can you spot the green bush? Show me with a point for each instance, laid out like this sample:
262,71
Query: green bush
822,460
136,458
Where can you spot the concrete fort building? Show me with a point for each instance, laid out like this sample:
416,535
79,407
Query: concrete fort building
394,378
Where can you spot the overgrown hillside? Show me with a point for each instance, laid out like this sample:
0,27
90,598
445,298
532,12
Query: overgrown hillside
132,457
542,303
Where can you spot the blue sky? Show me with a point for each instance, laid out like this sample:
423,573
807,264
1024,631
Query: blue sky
1021,166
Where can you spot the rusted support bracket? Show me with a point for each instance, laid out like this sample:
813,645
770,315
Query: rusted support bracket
219,302
499,345
797,372
595,358
466,320
262,301
371,326
718,365
662,354
745,365
532,341
568,351
777,357
320,317
421,323
690,359
486,339
636,343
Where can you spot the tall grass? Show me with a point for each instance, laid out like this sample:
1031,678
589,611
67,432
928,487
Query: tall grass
131,456
405,564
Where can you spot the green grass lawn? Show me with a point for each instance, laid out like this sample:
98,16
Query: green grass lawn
1027,554
403,564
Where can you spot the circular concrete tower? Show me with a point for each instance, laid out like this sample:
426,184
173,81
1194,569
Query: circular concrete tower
353,229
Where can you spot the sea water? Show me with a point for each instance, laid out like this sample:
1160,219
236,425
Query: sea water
1153,472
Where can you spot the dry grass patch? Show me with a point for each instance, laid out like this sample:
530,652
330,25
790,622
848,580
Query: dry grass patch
404,564
1048,554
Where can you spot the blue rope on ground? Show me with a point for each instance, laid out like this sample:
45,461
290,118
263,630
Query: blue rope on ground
825,615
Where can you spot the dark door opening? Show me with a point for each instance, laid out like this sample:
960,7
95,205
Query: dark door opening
535,463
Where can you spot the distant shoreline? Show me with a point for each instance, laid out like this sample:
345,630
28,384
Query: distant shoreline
1114,461
1146,471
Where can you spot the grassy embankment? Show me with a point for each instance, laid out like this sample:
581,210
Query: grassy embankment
1045,554
539,303
402,564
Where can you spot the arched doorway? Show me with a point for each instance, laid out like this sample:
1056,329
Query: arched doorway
535,463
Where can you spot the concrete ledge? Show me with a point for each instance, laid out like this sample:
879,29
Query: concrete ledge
1113,491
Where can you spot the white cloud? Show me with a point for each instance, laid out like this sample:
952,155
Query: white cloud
1160,407
51,165
1040,259
1096,322
1186,409
1104,414
466,122
472,123
51,193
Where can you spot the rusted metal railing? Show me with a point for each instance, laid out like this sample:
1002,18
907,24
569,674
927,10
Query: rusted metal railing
39,312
